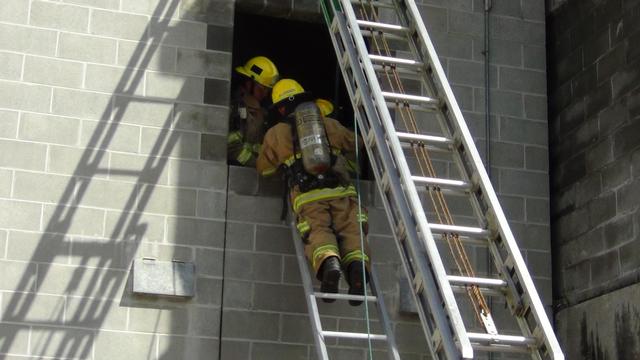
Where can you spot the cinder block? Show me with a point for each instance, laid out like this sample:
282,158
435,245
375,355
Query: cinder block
81,281
291,270
119,25
630,257
20,215
81,104
180,33
435,18
39,247
140,111
11,64
619,231
602,208
605,267
51,341
279,298
254,209
534,10
198,174
27,39
470,73
274,239
165,321
114,253
523,80
535,57
507,155
103,4
124,138
538,211
464,96
463,5
168,201
204,322
207,63
18,276
156,8
635,164
502,102
111,79
41,309
95,314
501,52
202,118
216,92
165,252
209,262
243,180
410,338
110,345
195,232
174,347
453,45
16,339
79,221
109,195
297,328
616,174
273,351
8,124
138,168
535,107
513,207
531,33
536,158
465,22
19,96
517,182
49,129
59,16
217,12
68,161
21,155
14,11
220,37
624,141
232,349
172,143
253,266
208,291
582,248
523,131
175,87
131,54
378,222
211,204
6,180
240,236
87,48
237,294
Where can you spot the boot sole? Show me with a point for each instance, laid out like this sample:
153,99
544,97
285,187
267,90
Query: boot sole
330,284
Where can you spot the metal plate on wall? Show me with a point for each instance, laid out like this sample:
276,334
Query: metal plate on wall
167,278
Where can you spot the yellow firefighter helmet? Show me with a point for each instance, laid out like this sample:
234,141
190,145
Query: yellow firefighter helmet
326,107
260,69
286,89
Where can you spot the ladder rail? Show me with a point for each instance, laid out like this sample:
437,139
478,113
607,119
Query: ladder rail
310,296
451,308
484,182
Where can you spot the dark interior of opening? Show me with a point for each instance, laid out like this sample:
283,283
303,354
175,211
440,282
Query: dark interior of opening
302,51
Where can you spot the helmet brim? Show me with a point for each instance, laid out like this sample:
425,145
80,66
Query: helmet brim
302,97
242,71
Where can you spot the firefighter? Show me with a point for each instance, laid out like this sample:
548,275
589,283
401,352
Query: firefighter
248,115
325,204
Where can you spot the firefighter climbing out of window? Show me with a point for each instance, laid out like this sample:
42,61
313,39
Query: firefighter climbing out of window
307,148
248,111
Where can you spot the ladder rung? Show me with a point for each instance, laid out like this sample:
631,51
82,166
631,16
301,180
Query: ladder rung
466,280
403,72
370,298
427,139
387,60
485,291
460,230
378,4
513,340
444,183
422,100
352,335
382,26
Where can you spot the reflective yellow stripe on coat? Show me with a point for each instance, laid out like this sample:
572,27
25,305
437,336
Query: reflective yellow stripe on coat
323,194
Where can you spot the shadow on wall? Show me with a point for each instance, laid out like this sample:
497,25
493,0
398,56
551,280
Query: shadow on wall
101,264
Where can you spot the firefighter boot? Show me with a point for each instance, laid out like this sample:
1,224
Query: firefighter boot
358,277
330,271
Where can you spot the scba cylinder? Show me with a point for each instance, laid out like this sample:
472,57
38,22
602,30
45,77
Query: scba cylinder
312,137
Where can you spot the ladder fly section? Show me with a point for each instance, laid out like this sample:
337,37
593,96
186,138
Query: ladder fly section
312,296
435,190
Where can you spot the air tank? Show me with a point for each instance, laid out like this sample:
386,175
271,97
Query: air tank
312,137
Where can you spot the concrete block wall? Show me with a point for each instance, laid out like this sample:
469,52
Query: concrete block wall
103,119
594,73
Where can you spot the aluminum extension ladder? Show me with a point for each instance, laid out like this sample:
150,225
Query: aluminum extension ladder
410,57
312,296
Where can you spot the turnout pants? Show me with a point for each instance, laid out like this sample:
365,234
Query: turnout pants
332,228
